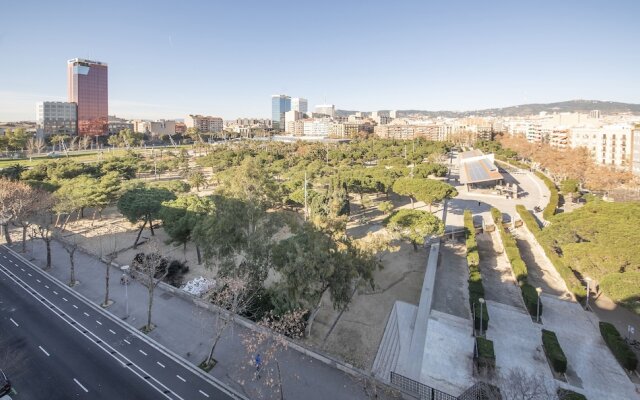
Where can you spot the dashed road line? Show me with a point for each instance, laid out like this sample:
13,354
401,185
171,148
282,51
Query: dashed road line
43,350
99,323
64,299
112,331
14,322
126,341
203,393
38,280
160,364
29,273
87,314
142,352
181,378
80,384
47,286
75,306
54,292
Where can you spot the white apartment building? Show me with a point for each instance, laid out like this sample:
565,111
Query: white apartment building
317,127
54,117
559,138
326,109
609,145
155,128
299,104
204,123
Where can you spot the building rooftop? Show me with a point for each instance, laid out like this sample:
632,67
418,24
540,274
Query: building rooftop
73,60
469,154
480,170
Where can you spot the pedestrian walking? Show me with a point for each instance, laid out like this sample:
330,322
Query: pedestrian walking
258,364
478,204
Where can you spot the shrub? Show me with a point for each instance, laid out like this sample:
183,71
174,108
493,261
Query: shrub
566,394
528,218
553,351
550,210
620,349
476,289
497,216
485,348
570,186
530,297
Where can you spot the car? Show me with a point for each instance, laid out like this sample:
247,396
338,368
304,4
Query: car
53,154
5,384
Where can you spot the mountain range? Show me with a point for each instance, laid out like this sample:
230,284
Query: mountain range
605,107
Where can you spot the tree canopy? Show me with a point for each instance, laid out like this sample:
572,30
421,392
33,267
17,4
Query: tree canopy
414,226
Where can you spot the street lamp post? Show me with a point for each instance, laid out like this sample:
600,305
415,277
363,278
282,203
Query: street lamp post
481,300
125,273
539,291
588,280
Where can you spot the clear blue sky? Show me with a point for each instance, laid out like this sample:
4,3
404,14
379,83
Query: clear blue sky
226,58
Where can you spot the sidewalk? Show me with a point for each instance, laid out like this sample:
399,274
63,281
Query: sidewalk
188,330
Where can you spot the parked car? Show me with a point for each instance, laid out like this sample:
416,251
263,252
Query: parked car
5,384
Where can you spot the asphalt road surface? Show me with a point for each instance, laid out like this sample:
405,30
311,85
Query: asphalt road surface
58,345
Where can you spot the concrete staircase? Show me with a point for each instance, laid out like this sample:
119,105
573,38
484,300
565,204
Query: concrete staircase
389,349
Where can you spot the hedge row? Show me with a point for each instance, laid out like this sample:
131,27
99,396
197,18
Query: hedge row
554,198
476,289
529,294
485,348
618,346
573,283
553,351
566,394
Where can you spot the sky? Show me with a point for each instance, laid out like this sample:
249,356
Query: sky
168,59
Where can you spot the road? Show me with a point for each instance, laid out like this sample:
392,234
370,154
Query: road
64,347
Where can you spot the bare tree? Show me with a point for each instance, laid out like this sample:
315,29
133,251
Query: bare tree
108,258
30,203
35,145
154,268
268,341
71,246
517,384
233,295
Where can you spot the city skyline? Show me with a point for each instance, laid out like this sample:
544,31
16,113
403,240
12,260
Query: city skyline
532,54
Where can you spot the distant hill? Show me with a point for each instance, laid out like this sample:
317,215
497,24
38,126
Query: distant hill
605,107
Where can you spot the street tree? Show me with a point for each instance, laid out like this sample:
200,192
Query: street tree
197,179
70,245
414,226
431,191
153,267
143,204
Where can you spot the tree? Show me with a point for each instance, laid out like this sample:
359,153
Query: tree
414,226
43,228
35,145
154,268
431,191
71,246
143,204
180,217
376,244
311,263
385,207
33,200
406,187
17,138
197,179
13,172
126,138
194,134
233,295
249,182
75,195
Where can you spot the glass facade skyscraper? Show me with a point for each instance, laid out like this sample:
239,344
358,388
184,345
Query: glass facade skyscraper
280,104
88,88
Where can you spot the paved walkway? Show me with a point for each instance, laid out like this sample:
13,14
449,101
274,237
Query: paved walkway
187,330
451,293
497,276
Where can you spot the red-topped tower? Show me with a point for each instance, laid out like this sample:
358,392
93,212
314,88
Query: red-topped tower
88,88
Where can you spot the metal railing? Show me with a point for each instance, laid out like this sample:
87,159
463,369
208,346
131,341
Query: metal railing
479,391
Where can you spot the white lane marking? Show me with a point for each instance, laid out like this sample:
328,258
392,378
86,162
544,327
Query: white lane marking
181,378
43,350
75,306
21,268
126,341
160,364
142,352
47,286
86,314
28,273
64,299
203,393
14,322
38,280
99,323
4,256
112,331
54,292
80,384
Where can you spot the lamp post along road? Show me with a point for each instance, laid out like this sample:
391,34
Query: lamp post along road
125,274
588,280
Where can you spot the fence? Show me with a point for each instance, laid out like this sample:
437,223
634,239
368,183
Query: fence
479,391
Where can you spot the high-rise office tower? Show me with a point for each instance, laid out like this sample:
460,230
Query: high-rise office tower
88,88
280,104
299,104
